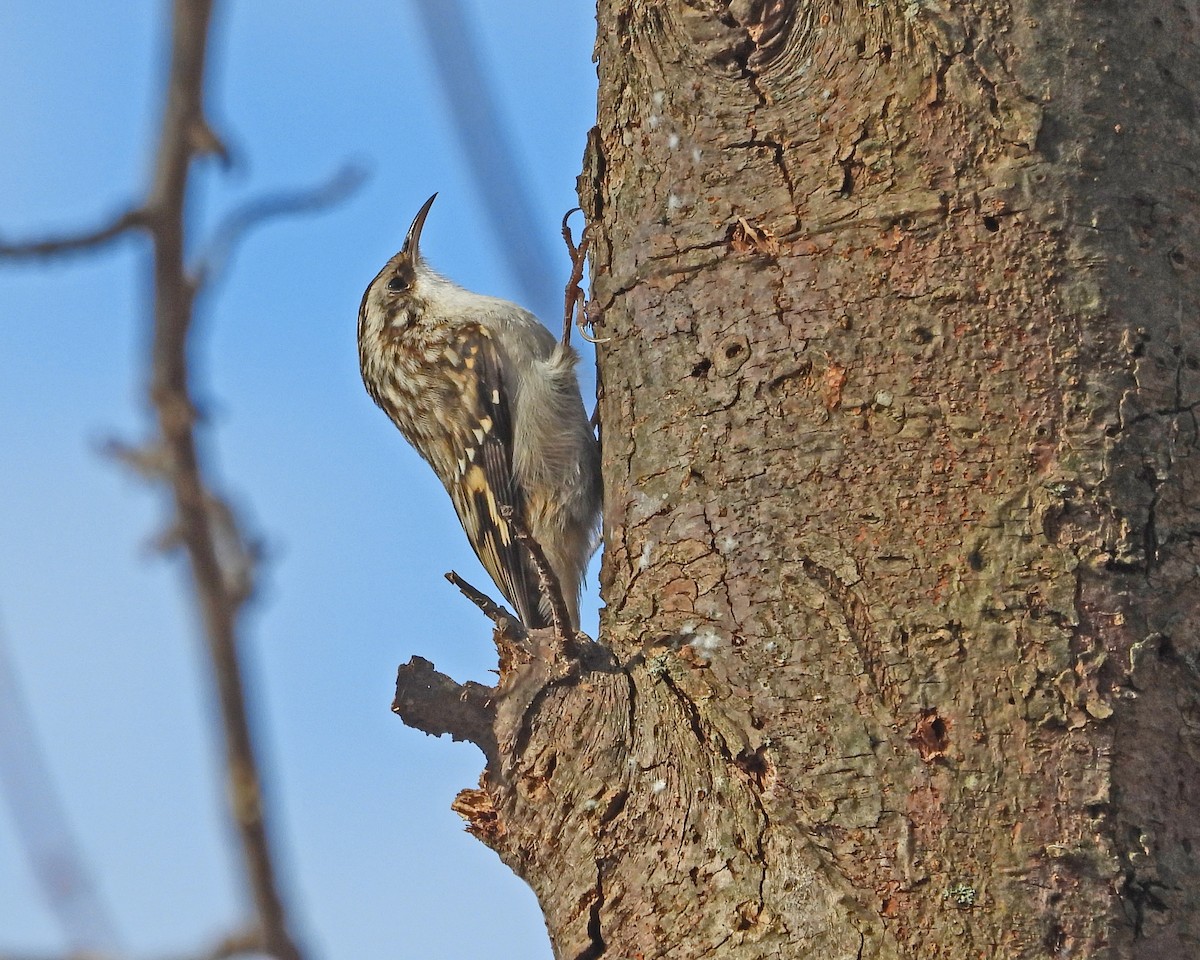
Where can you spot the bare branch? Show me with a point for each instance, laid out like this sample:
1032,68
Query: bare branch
87,240
202,530
222,560
432,702
238,224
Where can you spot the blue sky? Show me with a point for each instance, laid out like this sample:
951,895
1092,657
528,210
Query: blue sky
358,531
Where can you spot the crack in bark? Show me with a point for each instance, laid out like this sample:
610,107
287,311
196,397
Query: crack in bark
692,713
1150,531
596,948
779,155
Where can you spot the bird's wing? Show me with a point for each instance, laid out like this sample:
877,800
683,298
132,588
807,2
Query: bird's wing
486,481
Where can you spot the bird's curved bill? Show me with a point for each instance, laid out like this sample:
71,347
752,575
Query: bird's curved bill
413,239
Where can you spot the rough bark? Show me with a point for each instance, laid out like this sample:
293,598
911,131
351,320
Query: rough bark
900,653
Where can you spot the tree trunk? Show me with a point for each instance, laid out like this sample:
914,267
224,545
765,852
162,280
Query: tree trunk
900,655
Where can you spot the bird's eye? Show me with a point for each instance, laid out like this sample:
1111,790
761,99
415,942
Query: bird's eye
399,283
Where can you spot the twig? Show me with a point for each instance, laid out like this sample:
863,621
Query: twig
573,291
492,610
575,311
88,240
560,617
573,295
147,461
572,250
238,224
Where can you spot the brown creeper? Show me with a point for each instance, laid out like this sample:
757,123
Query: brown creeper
489,398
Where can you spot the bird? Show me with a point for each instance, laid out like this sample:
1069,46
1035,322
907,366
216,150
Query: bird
489,398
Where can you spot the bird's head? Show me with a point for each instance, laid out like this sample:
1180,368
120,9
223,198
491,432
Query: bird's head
395,296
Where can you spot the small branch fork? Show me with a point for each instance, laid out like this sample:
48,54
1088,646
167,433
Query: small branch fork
435,704
222,559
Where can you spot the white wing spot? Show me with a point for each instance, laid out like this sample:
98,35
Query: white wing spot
495,396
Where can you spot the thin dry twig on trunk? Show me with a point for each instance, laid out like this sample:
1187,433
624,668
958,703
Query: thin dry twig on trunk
575,306
490,609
